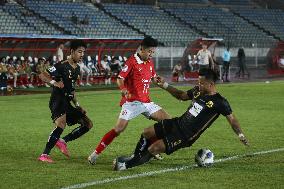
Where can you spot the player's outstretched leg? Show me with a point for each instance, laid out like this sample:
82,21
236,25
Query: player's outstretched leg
120,164
86,125
53,138
106,140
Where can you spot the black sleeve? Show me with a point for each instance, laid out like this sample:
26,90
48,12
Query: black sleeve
224,107
191,92
55,70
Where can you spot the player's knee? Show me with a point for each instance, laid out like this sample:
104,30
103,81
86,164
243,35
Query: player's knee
88,123
120,127
154,149
119,130
61,124
148,132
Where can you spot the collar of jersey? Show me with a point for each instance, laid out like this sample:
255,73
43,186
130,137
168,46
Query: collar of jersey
139,61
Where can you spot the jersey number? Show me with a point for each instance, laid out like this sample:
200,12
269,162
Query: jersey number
146,87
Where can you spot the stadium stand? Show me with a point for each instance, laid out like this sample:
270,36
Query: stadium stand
30,20
232,2
98,25
270,20
222,23
12,25
155,22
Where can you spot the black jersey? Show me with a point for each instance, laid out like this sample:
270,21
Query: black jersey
64,72
202,112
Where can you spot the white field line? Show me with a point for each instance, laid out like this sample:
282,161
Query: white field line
174,169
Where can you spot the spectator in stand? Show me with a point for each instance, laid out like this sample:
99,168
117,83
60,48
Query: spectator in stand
115,65
106,70
40,68
59,53
12,72
74,18
85,21
176,72
281,61
92,65
3,74
84,70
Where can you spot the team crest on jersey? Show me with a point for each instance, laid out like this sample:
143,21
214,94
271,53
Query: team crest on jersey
125,68
195,95
209,104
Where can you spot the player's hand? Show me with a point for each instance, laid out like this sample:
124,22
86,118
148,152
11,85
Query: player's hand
125,93
244,140
158,80
59,84
81,109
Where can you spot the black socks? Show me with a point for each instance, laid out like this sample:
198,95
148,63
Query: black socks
76,133
53,137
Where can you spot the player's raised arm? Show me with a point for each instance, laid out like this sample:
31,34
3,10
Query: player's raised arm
237,129
178,94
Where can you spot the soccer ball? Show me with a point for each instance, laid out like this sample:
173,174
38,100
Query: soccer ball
204,158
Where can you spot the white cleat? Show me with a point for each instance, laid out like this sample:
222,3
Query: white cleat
158,157
118,165
93,158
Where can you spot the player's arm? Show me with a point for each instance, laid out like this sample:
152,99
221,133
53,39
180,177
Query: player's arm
46,77
123,89
178,94
76,103
236,128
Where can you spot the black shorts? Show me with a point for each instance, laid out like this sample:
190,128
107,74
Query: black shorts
60,105
174,139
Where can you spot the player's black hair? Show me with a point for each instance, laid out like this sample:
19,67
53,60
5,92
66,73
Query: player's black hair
149,42
209,74
75,44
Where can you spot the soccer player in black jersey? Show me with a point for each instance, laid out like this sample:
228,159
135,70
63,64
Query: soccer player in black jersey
63,76
180,132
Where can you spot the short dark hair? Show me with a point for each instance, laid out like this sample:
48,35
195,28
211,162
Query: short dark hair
75,44
209,74
149,42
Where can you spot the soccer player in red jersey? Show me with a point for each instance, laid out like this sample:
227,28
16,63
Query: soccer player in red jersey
134,81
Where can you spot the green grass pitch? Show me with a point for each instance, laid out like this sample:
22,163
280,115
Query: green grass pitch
25,125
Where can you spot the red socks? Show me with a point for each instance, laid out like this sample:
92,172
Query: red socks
106,140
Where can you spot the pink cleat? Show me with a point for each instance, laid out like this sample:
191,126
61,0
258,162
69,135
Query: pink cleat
62,146
45,158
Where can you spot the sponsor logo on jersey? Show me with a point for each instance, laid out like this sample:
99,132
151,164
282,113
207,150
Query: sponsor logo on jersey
209,104
195,109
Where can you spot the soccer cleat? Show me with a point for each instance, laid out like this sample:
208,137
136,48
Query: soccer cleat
93,158
88,84
45,158
158,157
62,146
118,165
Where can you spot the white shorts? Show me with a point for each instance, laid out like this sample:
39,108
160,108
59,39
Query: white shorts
131,110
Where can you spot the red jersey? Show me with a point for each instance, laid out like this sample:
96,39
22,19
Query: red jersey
137,76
